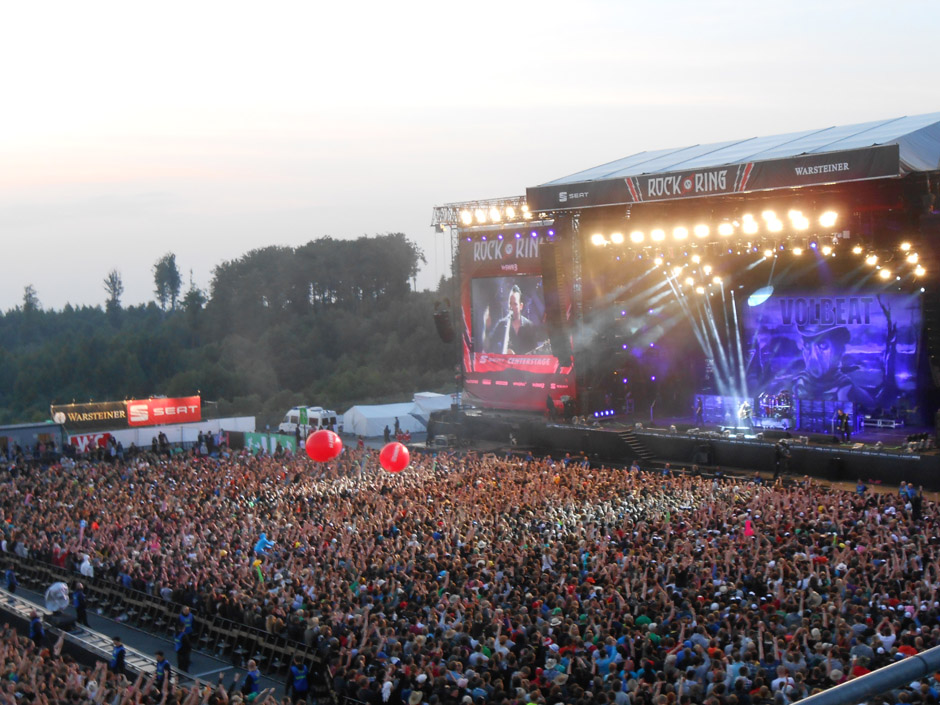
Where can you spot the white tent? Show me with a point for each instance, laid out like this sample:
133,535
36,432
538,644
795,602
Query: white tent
370,421
431,401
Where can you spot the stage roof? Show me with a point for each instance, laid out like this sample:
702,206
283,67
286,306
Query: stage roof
870,150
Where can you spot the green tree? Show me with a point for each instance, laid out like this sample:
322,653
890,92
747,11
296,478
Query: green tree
167,281
114,286
30,299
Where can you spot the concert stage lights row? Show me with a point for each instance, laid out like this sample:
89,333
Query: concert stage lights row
494,214
517,235
747,224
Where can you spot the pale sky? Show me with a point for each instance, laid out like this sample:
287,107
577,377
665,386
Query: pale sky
207,129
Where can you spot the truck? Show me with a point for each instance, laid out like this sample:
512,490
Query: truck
308,419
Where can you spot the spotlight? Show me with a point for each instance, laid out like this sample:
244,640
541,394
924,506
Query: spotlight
525,212
676,271
749,227
919,271
689,281
510,212
701,230
636,236
801,223
598,240
480,215
774,226
768,253
700,290
768,215
794,214
726,229
495,214
905,246
707,269
466,217
885,274
746,217
871,260
912,258
658,235
828,219
658,261
680,233
616,238
696,259
857,250
813,245
797,251
716,280
827,250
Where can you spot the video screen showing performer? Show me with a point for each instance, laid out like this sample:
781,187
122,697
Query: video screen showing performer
509,315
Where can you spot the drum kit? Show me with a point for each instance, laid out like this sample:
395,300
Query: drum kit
776,406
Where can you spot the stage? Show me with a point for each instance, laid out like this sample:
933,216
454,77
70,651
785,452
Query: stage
621,441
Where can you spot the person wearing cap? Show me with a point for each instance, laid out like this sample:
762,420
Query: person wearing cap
163,672
116,664
822,377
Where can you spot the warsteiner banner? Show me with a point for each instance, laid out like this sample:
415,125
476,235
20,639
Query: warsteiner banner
860,348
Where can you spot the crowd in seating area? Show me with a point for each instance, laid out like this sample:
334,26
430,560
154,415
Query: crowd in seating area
474,578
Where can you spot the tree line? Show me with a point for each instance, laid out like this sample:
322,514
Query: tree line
331,322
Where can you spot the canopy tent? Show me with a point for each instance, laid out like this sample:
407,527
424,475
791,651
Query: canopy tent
871,150
370,421
426,402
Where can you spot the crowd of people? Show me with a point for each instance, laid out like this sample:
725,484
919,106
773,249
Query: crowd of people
482,579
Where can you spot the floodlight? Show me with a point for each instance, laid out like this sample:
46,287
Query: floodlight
827,250
707,269
919,271
701,230
495,215
616,238
912,258
696,259
689,281
828,219
857,250
598,240
676,271
658,235
774,226
884,273
768,253
480,215
725,229
637,236
658,261
680,233
768,216
871,260
797,251
905,246
510,212
700,290
466,217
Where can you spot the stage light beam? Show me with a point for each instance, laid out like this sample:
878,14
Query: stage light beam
749,227
707,269
885,274
658,261
919,271
905,246
616,238
798,251
768,216
598,240
774,226
689,281
768,253
828,219
637,236
827,250
700,290
871,260
912,258
658,235
857,250
701,230
696,259
680,233
726,229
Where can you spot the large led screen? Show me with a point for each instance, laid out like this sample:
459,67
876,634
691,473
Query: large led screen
860,348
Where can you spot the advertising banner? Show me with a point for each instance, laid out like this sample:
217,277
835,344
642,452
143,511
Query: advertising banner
89,441
508,360
79,417
849,347
127,414
793,172
269,443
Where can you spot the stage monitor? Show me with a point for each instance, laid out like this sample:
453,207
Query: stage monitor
508,361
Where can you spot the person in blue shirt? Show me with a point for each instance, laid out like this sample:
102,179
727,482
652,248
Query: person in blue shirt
163,671
80,604
298,679
36,632
184,650
252,685
186,620
11,580
116,664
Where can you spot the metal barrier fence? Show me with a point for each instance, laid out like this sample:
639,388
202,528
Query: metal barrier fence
214,636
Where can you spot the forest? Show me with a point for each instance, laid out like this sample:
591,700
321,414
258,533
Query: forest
329,323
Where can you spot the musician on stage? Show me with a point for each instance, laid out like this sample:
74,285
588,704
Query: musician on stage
744,412
843,429
515,334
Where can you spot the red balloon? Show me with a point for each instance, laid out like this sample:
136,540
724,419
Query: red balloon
323,446
394,457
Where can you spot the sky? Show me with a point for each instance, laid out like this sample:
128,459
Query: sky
208,129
